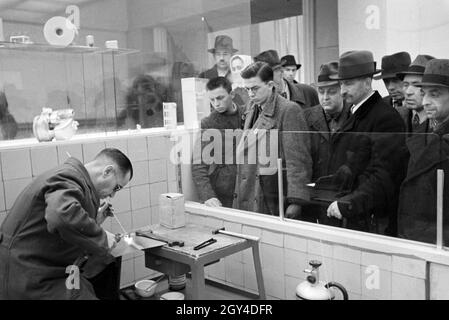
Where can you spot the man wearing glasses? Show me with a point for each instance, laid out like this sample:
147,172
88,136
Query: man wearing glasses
54,226
269,114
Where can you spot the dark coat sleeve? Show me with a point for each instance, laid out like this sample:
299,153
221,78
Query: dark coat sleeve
66,216
296,149
377,185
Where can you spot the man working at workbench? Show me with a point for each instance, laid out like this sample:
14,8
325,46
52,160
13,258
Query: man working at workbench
54,226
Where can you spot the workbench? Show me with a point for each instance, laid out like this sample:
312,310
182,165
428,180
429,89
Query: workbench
176,260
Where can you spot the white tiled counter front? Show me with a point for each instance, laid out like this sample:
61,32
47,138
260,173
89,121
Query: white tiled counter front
368,266
136,205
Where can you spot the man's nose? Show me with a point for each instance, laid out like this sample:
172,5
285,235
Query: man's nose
425,101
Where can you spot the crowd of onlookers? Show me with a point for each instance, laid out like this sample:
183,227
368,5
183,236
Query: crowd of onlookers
350,157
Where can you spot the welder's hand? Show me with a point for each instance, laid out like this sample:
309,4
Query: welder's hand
293,211
213,202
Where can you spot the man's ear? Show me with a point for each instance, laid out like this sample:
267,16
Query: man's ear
271,84
232,94
108,170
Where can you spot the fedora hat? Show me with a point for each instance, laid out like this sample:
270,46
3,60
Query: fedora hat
436,74
223,43
355,64
327,70
289,60
393,64
417,67
270,57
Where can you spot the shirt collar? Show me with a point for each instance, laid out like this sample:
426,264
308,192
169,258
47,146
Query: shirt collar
354,108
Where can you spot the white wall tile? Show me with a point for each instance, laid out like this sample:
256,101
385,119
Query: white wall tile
171,171
376,284
125,220
198,220
354,296
137,149
74,150
120,144
140,197
121,202
295,243
349,275
250,279
274,283
272,257
273,238
2,197
217,270
141,218
319,248
16,164
158,148
252,231
156,189
439,278
410,267
90,150
127,273
380,260
140,173
234,272
12,189
407,288
290,287
173,187
158,170
155,215
214,223
326,268
347,254
295,263
43,159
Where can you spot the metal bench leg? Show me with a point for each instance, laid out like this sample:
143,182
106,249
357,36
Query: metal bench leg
258,269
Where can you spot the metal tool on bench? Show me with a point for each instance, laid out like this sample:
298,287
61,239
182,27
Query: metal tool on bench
235,234
150,235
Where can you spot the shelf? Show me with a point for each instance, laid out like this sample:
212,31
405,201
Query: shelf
61,49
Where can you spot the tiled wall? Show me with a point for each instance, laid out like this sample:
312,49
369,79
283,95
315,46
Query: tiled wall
136,205
285,256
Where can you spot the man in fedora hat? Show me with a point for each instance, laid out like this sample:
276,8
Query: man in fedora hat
305,96
323,121
413,112
366,153
290,67
391,65
222,51
428,153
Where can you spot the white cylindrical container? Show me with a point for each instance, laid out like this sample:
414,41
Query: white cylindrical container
170,120
90,41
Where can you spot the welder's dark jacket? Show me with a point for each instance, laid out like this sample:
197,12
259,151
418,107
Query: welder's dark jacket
50,227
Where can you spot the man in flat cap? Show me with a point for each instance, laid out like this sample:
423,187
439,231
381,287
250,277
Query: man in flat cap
290,67
366,153
391,65
413,112
304,95
323,121
222,51
428,153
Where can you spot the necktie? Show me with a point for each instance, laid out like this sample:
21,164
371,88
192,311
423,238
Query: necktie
257,110
415,122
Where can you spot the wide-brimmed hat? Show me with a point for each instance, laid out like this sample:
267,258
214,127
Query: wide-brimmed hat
355,64
223,43
289,60
327,70
436,74
417,67
393,64
270,57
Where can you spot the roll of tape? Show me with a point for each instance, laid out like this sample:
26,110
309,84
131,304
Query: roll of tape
59,31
